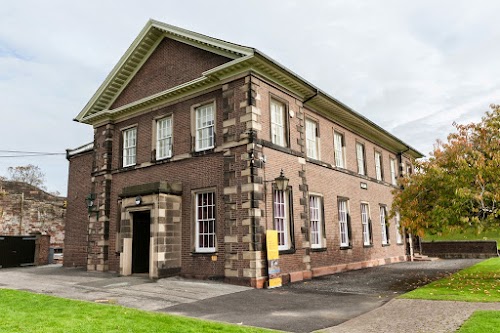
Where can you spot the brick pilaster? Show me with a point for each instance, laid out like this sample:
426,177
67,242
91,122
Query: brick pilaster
98,231
304,191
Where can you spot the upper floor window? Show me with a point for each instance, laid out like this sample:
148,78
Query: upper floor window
278,125
360,157
316,218
344,225
366,223
282,219
393,171
205,127
205,239
129,146
378,165
383,225
312,139
164,138
338,143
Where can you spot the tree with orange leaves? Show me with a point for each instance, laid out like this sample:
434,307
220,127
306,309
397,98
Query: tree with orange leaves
458,187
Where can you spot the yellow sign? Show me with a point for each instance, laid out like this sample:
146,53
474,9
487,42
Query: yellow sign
273,268
272,245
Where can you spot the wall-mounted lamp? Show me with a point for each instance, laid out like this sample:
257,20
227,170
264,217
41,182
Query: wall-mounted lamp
138,200
281,181
90,201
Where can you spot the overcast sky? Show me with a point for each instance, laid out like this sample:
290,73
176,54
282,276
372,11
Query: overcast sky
412,67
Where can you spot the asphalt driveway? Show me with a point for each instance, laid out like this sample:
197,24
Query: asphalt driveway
300,307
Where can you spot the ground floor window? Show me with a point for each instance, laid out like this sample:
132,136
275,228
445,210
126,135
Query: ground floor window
316,218
205,222
282,219
383,225
399,237
366,223
344,222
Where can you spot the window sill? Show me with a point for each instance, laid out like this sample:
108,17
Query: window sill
346,247
367,246
400,244
289,251
128,167
388,244
203,254
318,249
203,152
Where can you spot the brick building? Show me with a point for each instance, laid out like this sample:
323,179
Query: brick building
191,135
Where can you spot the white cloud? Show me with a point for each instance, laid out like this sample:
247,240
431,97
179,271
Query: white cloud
412,67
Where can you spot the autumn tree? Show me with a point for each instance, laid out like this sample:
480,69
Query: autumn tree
459,185
30,174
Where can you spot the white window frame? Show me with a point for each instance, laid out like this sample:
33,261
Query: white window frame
392,164
343,209
365,222
205,215
312,149
129,147
338,144
278,123
383,225
281,218
360,157
316,220
378,165
397,223
408,169
205,127
164,138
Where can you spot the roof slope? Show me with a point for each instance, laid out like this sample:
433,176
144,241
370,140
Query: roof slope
243,59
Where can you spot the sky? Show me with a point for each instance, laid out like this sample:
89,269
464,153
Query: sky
412,67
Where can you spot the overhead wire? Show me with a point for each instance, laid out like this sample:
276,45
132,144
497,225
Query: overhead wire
21,153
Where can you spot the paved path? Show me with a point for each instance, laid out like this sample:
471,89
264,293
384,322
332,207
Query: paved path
346,302
413,316
132,291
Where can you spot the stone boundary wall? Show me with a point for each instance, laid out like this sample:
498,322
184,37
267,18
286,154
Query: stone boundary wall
460,249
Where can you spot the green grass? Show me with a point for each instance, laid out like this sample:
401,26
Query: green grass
478,283
469,234
482,321
28,312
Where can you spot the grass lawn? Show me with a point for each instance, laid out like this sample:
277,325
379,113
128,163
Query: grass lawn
481,321
478,283
470,234
28,312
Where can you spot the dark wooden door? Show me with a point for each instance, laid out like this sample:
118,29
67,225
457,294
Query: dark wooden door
140,242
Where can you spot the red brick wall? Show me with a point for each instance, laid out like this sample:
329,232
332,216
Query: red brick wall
182,139
195,173
331,184
171,64
79,186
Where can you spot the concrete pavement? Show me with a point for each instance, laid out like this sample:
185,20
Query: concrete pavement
322,303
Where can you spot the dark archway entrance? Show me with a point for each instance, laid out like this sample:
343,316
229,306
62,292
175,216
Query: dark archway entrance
140,242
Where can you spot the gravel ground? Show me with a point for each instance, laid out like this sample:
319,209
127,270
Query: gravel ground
415,316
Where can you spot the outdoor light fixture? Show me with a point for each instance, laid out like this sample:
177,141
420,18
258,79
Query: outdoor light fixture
90,200
138,200
281,181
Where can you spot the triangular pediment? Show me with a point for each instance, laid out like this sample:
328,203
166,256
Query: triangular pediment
158,39
166,63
